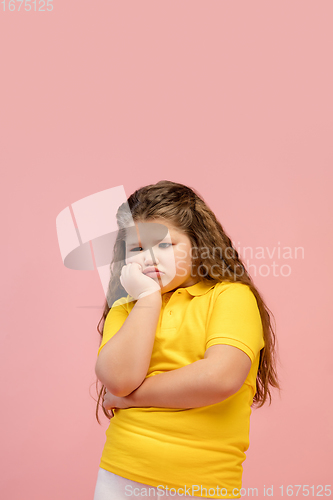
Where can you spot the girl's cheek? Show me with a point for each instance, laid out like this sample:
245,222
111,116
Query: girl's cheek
129,259
170,264
136,258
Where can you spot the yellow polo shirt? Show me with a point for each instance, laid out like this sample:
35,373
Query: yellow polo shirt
196,451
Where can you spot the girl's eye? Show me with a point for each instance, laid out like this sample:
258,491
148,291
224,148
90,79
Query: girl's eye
136,249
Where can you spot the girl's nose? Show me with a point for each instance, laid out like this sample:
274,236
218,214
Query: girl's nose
150,260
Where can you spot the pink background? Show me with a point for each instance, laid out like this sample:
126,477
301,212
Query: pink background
233,99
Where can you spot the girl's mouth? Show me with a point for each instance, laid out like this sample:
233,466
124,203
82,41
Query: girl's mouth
153,273
151,270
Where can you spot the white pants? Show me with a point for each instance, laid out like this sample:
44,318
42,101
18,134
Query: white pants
110,486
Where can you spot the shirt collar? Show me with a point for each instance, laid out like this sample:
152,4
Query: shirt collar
199,288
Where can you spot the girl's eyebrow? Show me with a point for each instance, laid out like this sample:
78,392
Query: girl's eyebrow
131,243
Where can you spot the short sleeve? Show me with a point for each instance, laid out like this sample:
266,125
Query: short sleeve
114,321
235,320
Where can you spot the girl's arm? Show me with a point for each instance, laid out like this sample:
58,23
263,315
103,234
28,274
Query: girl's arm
191,386
205,382
124,360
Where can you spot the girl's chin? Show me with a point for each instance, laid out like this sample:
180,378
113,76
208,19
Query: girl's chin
161,279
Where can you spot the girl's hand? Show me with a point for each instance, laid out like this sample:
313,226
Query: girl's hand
111,402
136,283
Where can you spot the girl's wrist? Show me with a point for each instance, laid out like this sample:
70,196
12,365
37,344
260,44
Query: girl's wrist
151,296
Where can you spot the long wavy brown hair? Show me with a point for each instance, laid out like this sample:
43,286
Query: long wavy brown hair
182,207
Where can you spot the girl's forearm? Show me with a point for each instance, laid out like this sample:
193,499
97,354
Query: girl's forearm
123,362
191,386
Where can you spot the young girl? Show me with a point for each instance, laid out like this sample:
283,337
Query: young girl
186,351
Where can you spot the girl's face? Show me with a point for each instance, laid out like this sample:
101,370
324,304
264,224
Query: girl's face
160,245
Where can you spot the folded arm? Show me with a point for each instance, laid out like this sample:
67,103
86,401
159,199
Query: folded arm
205,382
